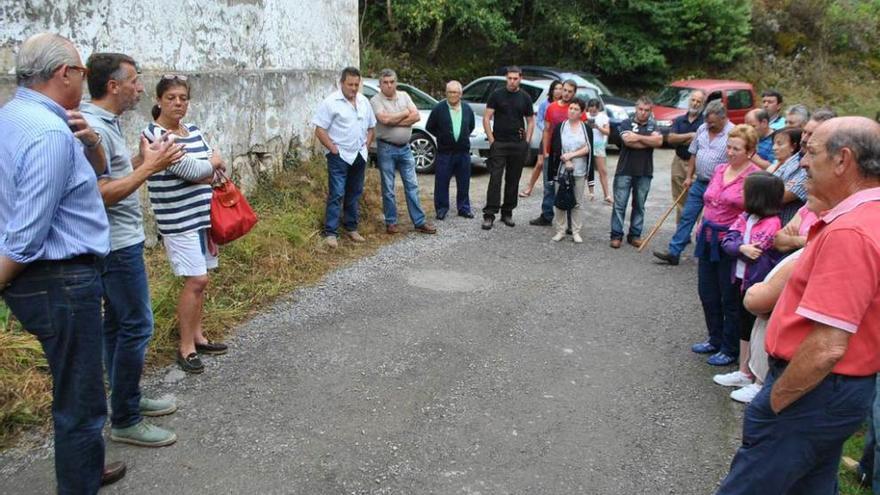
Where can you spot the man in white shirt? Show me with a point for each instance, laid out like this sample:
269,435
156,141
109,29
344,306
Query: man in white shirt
344,124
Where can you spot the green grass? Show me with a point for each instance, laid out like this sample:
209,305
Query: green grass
283,252
852,449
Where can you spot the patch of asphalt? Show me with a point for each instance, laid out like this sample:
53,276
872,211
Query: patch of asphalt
466,362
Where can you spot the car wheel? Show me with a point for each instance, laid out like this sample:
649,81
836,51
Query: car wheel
424,152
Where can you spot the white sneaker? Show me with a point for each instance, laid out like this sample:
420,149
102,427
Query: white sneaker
558,237
746,394
734,379
577,238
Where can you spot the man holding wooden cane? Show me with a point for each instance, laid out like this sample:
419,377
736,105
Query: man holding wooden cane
708,150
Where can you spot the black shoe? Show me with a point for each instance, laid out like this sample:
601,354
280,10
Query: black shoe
668,258
441,216
540,221
508,220
568,231
212,348
487,222
466,214
190,363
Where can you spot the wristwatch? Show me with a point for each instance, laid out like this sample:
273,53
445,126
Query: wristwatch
96,143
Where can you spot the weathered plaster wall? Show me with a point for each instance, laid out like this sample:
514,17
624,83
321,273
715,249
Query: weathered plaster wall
258,68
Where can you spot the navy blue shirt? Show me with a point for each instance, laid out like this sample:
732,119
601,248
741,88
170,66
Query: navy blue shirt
636,162
681,125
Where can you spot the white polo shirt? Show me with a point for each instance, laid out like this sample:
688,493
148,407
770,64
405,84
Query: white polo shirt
346,124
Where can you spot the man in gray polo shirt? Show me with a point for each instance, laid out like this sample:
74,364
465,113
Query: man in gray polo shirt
115,88
708,150
396,113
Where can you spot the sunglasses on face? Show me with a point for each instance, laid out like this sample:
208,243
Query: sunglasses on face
172,77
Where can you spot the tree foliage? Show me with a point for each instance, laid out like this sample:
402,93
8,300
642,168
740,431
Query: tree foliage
634,42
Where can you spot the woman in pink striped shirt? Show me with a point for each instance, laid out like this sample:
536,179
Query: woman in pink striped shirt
723,204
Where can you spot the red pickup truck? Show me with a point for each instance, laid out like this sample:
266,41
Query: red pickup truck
738,98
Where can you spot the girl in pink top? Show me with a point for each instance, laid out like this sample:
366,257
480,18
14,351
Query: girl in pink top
750,241
723,203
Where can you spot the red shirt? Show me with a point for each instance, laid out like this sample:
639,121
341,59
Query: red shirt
836,283
555,115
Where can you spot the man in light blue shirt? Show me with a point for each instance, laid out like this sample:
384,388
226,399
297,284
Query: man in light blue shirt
708,150
344,124
115,87
53,231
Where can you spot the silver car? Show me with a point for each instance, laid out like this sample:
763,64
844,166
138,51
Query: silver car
422,143
477,92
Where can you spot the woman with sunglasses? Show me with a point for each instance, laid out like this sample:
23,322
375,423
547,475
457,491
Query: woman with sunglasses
181,199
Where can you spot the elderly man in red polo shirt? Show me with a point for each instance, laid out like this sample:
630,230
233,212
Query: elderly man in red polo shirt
824,336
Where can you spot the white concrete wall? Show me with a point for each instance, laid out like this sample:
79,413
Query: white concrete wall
258,68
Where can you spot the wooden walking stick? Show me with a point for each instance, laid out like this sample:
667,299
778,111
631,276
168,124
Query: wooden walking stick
659,223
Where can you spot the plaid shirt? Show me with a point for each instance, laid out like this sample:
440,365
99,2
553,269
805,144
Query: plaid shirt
795,179
710,152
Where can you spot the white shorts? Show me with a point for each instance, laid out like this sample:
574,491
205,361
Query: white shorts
189,253
599,148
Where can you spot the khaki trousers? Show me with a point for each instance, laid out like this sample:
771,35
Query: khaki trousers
560,217
677,175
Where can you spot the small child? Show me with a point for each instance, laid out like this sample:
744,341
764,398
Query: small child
786,144
750,240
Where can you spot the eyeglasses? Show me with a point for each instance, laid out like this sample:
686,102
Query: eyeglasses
172,77
82,70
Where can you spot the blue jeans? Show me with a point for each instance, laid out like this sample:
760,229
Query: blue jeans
547,210
693,205
720,299
345,186
60,304
449,164
623,185
797,451
399,158
128,326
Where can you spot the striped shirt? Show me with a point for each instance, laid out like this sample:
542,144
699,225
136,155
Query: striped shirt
50,207
710,152
179,202
795,179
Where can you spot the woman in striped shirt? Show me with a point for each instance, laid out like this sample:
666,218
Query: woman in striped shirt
181,200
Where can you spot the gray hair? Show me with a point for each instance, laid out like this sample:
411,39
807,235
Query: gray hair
40,56
387,73
823,114
716,107
801,111
863,141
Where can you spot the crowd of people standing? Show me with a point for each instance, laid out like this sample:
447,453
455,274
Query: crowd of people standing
786,210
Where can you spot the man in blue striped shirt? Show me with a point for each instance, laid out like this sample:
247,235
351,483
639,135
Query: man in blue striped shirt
53,230
708,150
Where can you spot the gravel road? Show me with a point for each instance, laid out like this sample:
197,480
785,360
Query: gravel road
470,362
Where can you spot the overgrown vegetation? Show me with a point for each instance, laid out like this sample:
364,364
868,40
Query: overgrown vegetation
819,52
283,252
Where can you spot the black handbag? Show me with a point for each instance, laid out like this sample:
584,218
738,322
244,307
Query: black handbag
565,197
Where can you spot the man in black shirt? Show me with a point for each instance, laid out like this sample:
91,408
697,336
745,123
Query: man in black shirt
635,168
508,145
684,128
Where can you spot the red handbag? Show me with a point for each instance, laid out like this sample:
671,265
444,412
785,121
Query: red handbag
231,215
